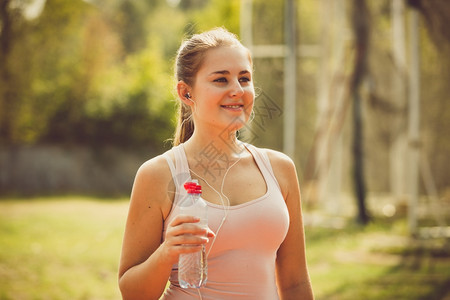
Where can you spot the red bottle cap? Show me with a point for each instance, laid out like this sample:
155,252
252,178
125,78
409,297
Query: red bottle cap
189,185
193,188
198,189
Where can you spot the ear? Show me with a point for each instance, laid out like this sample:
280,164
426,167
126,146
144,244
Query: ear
183,89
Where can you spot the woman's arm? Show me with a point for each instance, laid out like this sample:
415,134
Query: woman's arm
292,272
146,263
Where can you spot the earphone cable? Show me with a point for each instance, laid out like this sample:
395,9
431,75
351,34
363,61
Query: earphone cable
225,208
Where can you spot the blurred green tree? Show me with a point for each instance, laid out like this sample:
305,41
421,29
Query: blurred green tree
69,76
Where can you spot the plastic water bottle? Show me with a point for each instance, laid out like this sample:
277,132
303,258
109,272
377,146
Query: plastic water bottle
193,267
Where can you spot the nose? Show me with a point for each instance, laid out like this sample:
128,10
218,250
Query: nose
236,90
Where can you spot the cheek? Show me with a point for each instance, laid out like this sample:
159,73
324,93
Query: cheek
250,99
249,107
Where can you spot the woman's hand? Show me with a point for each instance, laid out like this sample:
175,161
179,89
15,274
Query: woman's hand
183,235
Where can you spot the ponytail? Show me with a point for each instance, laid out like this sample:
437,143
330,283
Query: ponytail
185,125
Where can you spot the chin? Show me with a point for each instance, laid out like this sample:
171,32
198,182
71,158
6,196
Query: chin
237,123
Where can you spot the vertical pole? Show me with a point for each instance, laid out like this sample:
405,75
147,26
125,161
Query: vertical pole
323,106
336,167
399,144
290,79
246,23
413,122
246,34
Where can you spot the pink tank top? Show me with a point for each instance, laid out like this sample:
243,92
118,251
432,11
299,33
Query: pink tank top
241,263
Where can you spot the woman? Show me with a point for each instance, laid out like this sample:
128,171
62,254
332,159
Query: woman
255,241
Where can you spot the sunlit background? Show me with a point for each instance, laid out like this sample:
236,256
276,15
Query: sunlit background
355,92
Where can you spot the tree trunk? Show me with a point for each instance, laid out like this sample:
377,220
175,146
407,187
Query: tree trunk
360,22
5,74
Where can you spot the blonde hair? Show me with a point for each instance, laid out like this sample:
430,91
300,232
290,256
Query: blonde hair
189,58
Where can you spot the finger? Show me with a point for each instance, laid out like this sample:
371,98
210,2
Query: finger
188,240
174,250
192,240
180,219
187,229
185,249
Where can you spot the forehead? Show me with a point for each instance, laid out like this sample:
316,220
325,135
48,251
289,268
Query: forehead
226,58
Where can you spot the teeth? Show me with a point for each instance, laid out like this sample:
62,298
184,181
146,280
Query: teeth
232,106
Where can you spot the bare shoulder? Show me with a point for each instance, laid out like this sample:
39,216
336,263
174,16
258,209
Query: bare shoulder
155,168
284,170
154,171
281,163
153,184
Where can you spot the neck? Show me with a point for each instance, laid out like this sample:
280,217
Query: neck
211,157
224,143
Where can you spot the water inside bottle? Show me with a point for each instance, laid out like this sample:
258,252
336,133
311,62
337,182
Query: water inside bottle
193,269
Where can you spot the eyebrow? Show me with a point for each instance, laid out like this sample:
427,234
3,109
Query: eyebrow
225,72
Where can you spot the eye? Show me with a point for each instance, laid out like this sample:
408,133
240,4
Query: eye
244,79
221,79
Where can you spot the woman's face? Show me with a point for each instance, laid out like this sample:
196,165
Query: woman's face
223,91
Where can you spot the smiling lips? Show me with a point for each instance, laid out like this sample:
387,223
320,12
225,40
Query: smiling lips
233,106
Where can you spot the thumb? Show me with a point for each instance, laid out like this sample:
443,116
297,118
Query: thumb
210,233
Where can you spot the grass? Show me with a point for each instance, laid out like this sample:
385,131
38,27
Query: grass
377,262
52,248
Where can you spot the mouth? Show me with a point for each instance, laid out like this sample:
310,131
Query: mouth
233,106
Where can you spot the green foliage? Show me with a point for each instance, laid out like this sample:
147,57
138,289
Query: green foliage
268,22
97,73
225,11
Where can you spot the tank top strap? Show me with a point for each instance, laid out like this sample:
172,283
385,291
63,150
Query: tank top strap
181,162
172,168
263,162
179,170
